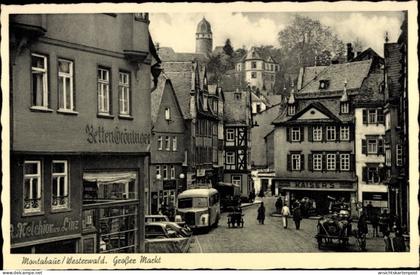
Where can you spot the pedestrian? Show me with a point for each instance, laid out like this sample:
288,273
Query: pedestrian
285,212
388,242
362,229
297,216
279,204
261,213
374,220
369,210
398,242
384,221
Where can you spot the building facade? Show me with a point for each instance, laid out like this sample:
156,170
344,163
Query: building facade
314,140
238,123
79,188
167,178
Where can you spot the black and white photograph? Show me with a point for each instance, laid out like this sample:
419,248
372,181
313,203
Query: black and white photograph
161,131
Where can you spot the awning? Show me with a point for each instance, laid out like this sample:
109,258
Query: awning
106,177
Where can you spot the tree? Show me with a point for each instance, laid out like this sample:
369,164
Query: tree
227,48
217,66
305,42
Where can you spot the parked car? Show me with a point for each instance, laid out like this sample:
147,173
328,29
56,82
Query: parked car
156,218
166,237
162,218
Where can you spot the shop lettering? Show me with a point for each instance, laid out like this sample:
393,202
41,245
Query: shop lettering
315,185
100,135
41,228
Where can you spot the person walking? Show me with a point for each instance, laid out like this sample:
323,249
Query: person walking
297,216
362,229
261,213
285,212
374,220
279,204
384,222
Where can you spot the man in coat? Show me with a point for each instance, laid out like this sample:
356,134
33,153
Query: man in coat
297,216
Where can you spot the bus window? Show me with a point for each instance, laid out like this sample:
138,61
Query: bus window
193,203
185,203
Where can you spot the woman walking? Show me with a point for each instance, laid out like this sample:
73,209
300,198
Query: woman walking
261,213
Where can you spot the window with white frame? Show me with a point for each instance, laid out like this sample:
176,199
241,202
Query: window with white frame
160,143
230,158
168,143
291,109
167,113
317,133
39,67
317,162
388,157
230,134
345,107
172,172
372,146
158,172
103,91
165,172
174,143
345,162
296,162
65,85
124,93
295,132
331,133
345,133
387,121
399,155
373,174
372,116
32,192
331,161
60,185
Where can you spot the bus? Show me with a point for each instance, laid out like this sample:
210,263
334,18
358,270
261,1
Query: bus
199,208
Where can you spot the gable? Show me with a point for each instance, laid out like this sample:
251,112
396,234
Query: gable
312,113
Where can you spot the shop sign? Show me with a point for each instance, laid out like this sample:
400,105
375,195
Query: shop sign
315,185
101,135
42,228
169,184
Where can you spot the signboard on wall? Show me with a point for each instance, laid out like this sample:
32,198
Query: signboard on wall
314,185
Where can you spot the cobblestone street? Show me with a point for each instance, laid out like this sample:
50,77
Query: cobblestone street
270,237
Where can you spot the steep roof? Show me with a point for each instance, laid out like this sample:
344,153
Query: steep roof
393,68
168,54
371,92
203,26
253,54
233,80
353,72
156,97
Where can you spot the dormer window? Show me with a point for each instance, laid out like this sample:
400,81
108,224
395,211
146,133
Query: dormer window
344,107
291,109
323,84
167,113
205,102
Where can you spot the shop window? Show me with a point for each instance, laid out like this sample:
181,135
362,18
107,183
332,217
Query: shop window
344,133
345,162
124,93
174,143
168,143
160,143
32,190
103,91
317,133
60,185
39,65
317,162
65,85
331,135
331,162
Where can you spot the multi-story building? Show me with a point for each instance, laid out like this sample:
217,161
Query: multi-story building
238,123
314,152
79,137
258,70
167,178
396,126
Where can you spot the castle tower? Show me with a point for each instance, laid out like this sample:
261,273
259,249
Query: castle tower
203,37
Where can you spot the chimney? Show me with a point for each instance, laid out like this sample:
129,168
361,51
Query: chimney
350,54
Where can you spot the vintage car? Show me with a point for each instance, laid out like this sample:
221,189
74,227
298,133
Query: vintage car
336,226
166,237
179,226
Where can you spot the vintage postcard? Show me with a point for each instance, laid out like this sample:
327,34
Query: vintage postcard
235,135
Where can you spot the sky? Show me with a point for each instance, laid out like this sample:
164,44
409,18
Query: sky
177,30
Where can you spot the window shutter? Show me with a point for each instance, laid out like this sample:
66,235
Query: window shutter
337,161
364,174
310,133
302,133
302,162
382,173
310,162
337,133
380,115
288,134
351,132
352,162
324,162
364,147
289,162
365,117
324,133
380,146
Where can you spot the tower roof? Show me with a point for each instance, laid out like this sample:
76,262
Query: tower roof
204,26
